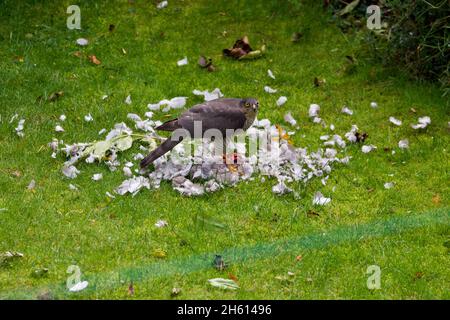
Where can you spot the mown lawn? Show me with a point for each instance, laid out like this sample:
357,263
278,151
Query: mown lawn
114,242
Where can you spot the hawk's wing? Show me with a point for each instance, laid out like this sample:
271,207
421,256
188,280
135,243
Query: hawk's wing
219,114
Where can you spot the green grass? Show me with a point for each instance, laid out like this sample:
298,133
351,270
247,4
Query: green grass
55,227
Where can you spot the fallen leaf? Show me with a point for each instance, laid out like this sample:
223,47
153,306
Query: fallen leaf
131,289
312,213
94,60
205,62
16,173
349,8
39,273
361,137
232,277
159,253
296,36
318,82
418,275
436,199
175,292
8,256
242,49
55,95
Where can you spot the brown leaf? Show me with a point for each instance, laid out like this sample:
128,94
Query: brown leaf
205,62
298,258
19,59
296,36
318,82
240,48
312,213
175,292
232,277
131,289
418,275
16,173
361,137
55,95
78,54
94,60
436,199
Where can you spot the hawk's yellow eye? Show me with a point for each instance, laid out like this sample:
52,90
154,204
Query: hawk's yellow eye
247,104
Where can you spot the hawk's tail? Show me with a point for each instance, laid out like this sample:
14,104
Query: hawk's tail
163,148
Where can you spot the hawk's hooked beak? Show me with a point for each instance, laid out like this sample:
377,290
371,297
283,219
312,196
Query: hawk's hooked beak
254,107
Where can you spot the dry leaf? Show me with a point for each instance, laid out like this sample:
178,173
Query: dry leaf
242,50
94,60
436,199
296,36
131,289
55,95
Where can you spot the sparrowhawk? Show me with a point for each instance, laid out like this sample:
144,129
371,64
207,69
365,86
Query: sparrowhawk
221,114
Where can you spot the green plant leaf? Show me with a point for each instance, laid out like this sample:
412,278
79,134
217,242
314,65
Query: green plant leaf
124,143
223,283
349,8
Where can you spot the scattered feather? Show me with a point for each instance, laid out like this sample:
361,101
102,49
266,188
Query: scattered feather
314,110
182,62
82,42
290,119
403,144
97,177
395,121
19,128
133,185
270,74
319,199
70,171
368,148
162,5
161,224
281,100
347,110
423,123
31,185
88,118
269,89
388,185
208,96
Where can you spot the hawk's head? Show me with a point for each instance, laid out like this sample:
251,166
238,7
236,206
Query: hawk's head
250,104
